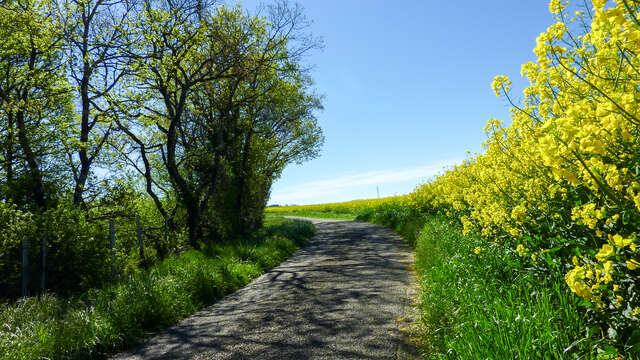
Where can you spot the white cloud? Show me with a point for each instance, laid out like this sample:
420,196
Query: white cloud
351,187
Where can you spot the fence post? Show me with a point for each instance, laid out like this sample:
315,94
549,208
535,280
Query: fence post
112,246
140,242
25,267
43,275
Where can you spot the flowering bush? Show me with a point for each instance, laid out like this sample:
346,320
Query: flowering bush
560,185
561,182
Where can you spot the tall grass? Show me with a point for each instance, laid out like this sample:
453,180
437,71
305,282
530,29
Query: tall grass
101,322
486,306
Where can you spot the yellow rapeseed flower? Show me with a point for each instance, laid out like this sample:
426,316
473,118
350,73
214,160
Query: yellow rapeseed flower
607,268
574,278
518,212
522,251
620,241
500,82
605,252
555,6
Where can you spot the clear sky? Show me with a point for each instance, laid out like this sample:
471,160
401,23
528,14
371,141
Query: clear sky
407,88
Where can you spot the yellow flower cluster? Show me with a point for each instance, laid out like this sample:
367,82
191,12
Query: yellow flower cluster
565,174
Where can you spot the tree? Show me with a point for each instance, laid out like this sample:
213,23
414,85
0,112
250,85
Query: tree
207,76
169,65
34,102
260,113
96,31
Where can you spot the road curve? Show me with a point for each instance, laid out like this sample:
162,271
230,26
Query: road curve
337,298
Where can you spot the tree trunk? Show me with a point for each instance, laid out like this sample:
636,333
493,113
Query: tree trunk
9,156
85,161
193,222
187,197
242,181
32,163
23,139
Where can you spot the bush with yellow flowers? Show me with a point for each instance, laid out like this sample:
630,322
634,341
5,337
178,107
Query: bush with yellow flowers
560,185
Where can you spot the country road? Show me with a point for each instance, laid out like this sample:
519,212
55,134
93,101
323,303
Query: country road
337,298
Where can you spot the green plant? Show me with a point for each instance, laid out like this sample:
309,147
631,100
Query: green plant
100,322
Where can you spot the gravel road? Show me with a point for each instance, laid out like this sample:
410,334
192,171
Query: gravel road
337,298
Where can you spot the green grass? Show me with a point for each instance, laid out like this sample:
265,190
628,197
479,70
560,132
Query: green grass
484,306
101,322
316,214
487,306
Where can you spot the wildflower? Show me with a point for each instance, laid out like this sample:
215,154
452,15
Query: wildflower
522,251
574,278
619,241
501,82
619,300
607,268
605,253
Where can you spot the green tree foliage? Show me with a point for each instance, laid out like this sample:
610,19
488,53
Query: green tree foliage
34,104
95,33
212,81
180,112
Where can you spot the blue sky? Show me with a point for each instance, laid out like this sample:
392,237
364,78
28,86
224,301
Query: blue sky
407,88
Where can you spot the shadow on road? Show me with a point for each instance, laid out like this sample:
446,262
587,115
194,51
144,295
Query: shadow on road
337,298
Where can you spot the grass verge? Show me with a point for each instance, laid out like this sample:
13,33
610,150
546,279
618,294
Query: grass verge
486,306
102,322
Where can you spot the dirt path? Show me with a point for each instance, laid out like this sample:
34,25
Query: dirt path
337,298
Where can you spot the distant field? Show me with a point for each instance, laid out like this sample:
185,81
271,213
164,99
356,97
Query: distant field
347,210
313,214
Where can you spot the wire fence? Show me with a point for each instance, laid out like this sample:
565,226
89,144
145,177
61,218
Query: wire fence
27,268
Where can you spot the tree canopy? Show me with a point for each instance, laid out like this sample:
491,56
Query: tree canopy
184,110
